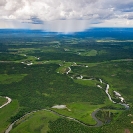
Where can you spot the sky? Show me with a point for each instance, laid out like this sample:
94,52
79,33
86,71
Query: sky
65,15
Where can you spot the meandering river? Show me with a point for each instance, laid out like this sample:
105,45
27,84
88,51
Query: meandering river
99,123
8,101
107,92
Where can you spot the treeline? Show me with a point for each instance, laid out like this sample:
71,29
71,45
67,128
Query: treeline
63,125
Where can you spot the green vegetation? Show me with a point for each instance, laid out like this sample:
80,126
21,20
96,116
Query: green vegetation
68,126
8,79
108,115
36,122
87,82
33,71
80,111
119,76
6,113
10,57
43,79
89,53
118,126
2,100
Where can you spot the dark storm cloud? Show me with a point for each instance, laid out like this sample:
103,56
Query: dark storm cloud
50,11
36,20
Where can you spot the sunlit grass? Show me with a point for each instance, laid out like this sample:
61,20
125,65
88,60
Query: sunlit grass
36,122
6,113
8,79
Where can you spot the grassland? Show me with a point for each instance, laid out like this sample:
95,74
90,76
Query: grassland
2,100
80,111
87,82
8,79
36,123
89,53
6,113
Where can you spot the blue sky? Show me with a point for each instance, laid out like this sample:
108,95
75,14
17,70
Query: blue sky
65,15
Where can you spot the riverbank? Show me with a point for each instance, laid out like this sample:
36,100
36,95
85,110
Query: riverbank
98,122
8,101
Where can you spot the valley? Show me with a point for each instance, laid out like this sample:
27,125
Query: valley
65,83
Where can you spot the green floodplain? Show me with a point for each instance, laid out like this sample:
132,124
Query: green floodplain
2,101
38,73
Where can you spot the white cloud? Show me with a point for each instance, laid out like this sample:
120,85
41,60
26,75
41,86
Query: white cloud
71,12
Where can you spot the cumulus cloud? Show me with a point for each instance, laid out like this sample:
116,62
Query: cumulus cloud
64,15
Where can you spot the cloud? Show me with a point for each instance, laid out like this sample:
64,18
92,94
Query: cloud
36,20
61,15
67,25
